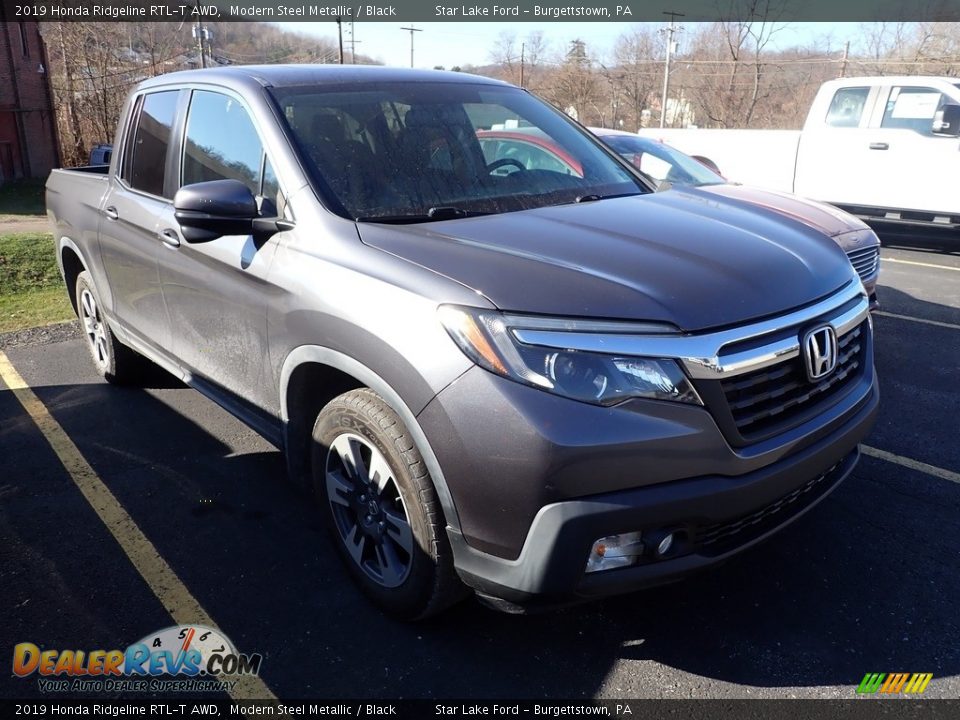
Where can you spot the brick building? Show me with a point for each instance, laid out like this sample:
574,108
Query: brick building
28,133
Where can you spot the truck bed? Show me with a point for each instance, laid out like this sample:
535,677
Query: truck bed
74,197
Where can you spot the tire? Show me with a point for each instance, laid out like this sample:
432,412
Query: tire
385,520
114,361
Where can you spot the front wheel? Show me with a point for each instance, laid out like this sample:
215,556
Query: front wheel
381,506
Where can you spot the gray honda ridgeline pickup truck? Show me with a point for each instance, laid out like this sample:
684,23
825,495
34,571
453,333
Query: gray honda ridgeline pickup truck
495,374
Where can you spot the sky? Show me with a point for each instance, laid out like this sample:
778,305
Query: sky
469,43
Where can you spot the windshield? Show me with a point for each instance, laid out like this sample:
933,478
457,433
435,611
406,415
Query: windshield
417,151
662,163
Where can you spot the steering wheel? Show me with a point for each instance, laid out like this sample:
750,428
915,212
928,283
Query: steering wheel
503,162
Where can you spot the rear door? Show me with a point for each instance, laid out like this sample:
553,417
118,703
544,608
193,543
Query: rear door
834,152
217,292
129,226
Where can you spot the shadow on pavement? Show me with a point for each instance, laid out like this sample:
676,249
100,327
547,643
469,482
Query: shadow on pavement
867,581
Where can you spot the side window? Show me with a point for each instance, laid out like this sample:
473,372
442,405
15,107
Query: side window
847,105
912,108
146,159
221,142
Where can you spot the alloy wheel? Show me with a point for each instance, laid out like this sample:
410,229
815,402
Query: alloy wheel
368,510
94,328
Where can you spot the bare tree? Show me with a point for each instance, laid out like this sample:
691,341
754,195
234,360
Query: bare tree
519,60
535,52
733,83
504,54
576,85
72,151
636,72
917,48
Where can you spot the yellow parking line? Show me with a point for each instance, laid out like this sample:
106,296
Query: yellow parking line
884,313
163,581
921,264
906,462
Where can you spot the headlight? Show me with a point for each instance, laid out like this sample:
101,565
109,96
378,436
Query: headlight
486,337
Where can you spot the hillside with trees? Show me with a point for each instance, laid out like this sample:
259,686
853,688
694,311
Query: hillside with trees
732,74
725,75
94,65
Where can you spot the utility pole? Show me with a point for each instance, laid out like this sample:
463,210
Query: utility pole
846,54
523,47
353,44
200,39
670,31
340,39
412,30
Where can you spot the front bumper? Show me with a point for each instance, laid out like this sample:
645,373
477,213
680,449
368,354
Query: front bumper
738,498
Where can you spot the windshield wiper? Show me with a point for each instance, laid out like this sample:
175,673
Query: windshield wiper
593,197
443,212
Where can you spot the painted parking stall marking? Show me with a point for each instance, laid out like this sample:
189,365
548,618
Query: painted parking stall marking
937,323
159,576
912,464
920,264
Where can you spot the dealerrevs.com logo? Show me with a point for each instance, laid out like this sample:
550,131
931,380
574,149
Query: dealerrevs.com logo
181,658
894,683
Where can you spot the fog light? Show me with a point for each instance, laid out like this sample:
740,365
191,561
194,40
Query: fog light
661,541
615,551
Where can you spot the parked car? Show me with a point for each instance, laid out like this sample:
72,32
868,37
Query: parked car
538,386
882,148
100,154
660,162
667,166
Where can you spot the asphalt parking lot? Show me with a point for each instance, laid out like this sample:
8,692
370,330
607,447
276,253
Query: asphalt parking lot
866,582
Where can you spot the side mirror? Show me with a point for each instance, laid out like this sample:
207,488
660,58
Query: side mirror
209,210
947,121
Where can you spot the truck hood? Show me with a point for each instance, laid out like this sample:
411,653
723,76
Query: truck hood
685,257
825,218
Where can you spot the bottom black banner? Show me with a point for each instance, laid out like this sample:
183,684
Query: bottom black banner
864,708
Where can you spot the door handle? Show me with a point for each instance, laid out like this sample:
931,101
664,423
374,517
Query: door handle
111,213
170,238
879,146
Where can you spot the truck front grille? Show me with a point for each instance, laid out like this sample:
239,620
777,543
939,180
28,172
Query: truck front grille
775,395
865,261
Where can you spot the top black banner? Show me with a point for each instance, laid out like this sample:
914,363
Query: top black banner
505,11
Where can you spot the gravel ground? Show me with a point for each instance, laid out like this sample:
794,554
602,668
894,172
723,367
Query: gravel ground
43,335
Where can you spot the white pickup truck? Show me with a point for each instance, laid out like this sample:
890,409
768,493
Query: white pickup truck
883,148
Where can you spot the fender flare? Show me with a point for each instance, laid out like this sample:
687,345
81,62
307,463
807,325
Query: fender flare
344,363
67,242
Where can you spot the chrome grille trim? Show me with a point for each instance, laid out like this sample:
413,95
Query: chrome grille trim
866,261
768,396
702,355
